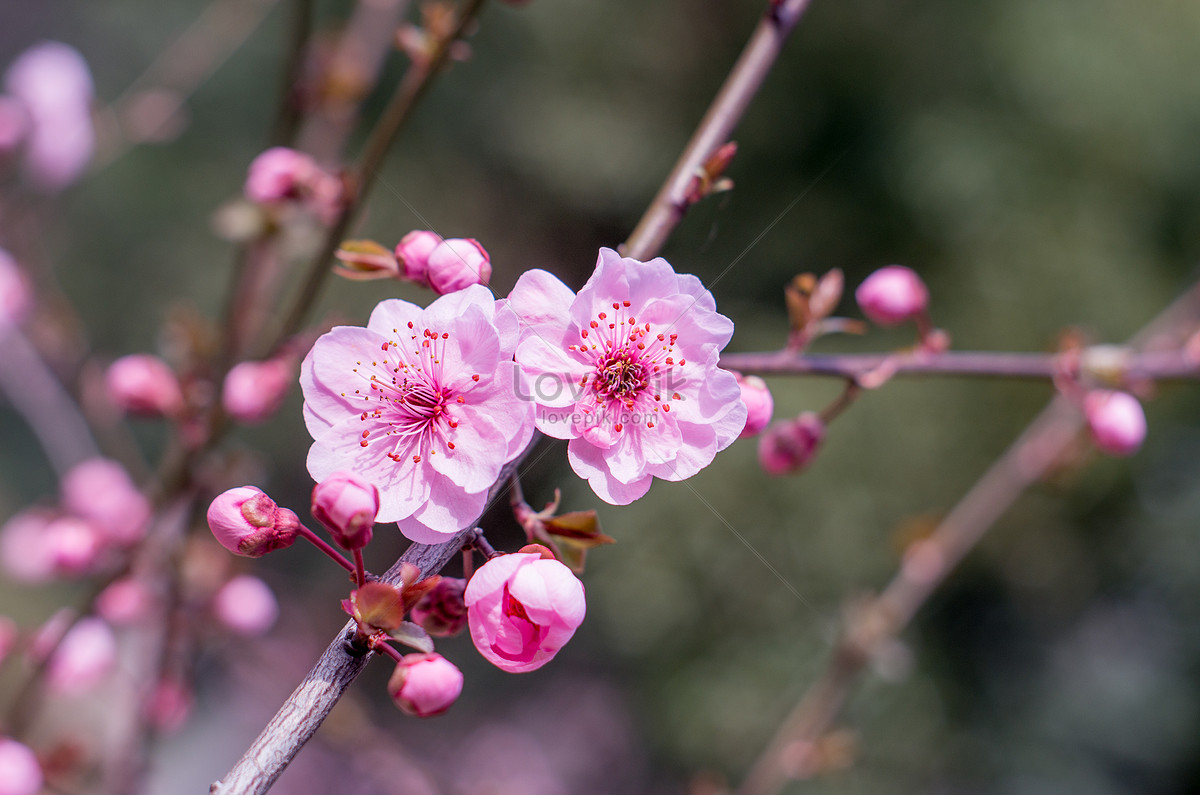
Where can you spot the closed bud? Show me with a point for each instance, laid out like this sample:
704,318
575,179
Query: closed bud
248,522
759,404
412,252
365,260
347,505
74,545
246,605
253,391
279,174
790,446
1115,420
20,772
425,684
457,264
84,657
101,491
442,611
892,295
125,602
145,385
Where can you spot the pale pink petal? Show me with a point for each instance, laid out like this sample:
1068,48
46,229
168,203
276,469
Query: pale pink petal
588,462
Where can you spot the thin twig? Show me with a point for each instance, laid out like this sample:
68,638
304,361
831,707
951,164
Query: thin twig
926,565
718,124
291,108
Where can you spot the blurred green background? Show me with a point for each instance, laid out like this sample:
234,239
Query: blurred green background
1037,161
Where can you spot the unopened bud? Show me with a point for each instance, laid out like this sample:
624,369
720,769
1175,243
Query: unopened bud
248,522
246,605
457,264
145,385
20,773
74,545
425,684
85,656
101,491
347,505
791,446
759,404
124,602
442,611
365,260
1116,421
412,252
279,174
892,295
253,391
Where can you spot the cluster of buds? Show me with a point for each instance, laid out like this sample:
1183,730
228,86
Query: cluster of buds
46,115
284,178
100,512
421,257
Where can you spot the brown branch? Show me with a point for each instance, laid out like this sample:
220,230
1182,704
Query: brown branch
718,124
926,565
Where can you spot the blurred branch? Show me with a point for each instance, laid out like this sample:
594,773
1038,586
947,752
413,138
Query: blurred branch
1110,363
412,87
926,564
43,403
718,124
291,108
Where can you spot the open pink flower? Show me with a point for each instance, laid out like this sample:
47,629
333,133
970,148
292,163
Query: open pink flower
522,608
421,403
627,370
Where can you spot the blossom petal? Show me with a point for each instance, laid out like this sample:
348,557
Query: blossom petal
588,463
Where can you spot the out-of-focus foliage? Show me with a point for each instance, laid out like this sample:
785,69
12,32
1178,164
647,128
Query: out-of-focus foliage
1035,160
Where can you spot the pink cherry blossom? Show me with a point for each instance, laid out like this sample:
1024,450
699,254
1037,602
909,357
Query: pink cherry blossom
892,295
421,403
425,684
522,608
412,252
627,370
457,264
1116,421
20,773
52,82
101,491
246,605
759,404
281,175
143,384
253,391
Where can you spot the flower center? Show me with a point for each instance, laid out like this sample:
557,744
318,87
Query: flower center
619,376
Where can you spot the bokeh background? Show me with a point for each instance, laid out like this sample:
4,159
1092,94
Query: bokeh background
1037,161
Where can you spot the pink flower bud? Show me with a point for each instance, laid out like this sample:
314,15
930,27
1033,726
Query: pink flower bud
145,385
253,391
279,174
16,297
169,705
791,446
892,295
456,264
248,522
246,605
347,505
74,544
759,404
101,491
52,82
425,684
83,659
20,773
522,608
24,553
413,252
442,611
125,602
1116,421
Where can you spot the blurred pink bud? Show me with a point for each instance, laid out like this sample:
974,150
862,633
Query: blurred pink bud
51,80
522,608
24,553
101,491
425,684
145,385
74,544
442,611
413,252
253,391
892,295
279,174
1116,421
83,659
458,263
759,404
246,605
124,602
14,123
16,296
20,773
790,446
248,522
169,705
347,505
